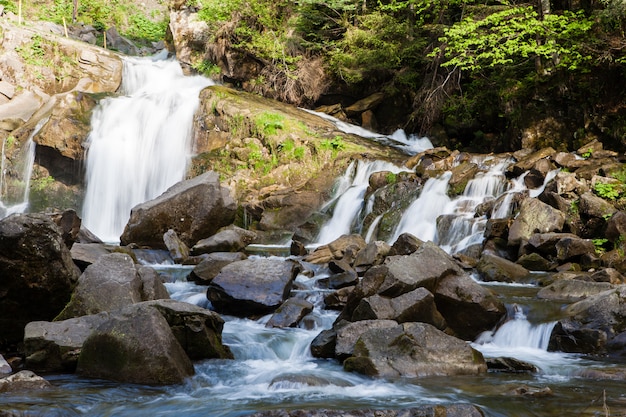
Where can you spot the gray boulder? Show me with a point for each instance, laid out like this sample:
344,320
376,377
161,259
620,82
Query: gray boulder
534,217
227,239
592,324
494,268
212,264
37,274
198,330
469,308
415,306
423,268
413,350
349,333
290,313
136,346
176,247
23,381
194,209
112,282
569,290
251,287
55,346
84,254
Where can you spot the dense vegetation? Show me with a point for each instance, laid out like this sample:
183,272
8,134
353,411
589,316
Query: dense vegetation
476,72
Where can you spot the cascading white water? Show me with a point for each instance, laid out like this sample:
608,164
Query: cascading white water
348,202
420,218
139,144
27,159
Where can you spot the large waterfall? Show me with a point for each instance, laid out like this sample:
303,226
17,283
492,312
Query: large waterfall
140,142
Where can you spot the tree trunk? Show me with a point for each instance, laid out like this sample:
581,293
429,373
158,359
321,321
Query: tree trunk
75,11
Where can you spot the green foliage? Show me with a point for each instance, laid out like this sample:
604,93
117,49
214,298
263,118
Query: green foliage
207,68
391,178
140,27
515,34
214,11
587,154
333,145
608,191
600,245
41,184
33,52
268,124
9,5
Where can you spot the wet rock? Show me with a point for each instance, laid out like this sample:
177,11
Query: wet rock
535,262
324,344
469,308
510,365
176,247
69,223
195,209
453,410
591,323
198,330
406,244
373,253
84,254
336,249
152,287
135,346
5,368
55,346
252,286
349,333
413,350
572,290
534,217
461,174
112,282
494,268
338,281
37,274
545,243
569,248
337,300
527,391
23,381
423,268
212,264
415,306
591,205
527,162
608,275
227,239
290,313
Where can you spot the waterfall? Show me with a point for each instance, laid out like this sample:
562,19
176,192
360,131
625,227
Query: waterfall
27,159
420,218
139,144
349,198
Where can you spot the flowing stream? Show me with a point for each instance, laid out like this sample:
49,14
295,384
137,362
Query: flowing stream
273,368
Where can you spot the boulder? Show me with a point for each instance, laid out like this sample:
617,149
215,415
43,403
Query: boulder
84,254
569,290
176,247
569,248
535,262
253,286
112,282
616,227
290,313
423,268
406,244
37,274
469,308
349,333
534,217
374,253
494,268
461,175
413,350
592,324
337,300
528,161
337,281
336,249
198,330
136,346
545,243
212,264
194,209
227,239
69,223
55,346
5,368
415,306
590,205
23,381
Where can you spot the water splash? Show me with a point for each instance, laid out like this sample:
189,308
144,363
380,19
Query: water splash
349,198
140,142
27,159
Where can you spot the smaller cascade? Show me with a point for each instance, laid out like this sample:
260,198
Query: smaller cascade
27,161
349,198
420,218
